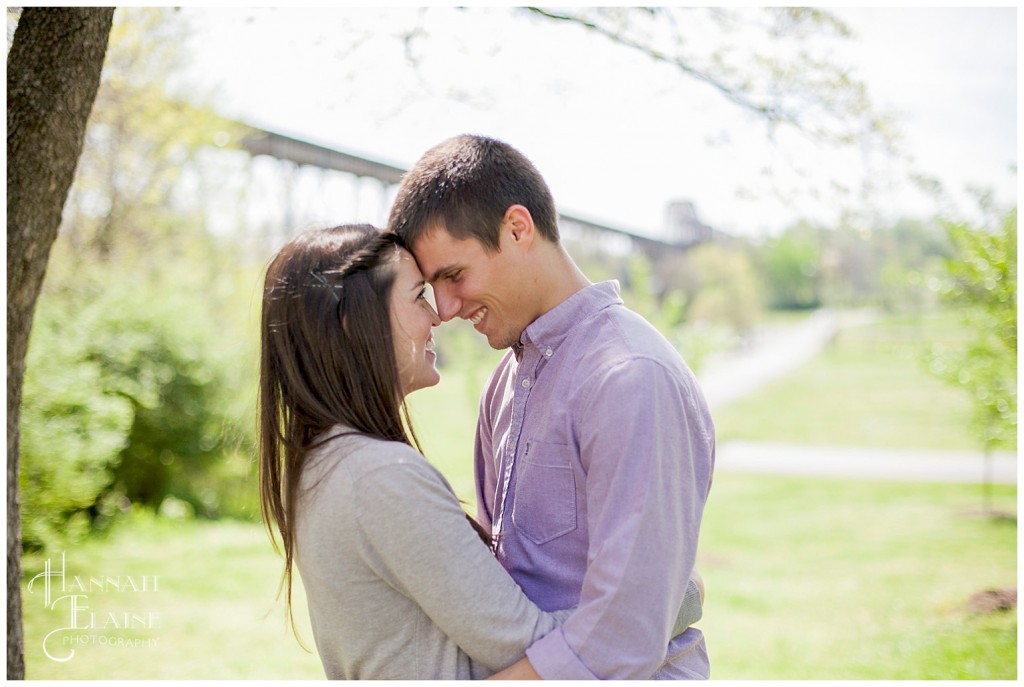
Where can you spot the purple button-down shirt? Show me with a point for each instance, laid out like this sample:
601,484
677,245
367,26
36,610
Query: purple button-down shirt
594,456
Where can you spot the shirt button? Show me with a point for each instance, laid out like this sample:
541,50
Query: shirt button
526,383
548,352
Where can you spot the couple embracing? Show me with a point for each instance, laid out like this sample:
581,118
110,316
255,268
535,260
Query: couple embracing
593,458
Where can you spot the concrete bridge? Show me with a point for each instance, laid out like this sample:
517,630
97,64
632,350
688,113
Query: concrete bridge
685,230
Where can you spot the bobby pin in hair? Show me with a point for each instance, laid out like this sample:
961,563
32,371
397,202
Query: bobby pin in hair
326,285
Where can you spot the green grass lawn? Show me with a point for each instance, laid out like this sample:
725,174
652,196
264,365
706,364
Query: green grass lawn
869,387
215,605
829,579
806,579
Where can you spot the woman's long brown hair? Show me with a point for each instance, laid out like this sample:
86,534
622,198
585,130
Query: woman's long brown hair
326,358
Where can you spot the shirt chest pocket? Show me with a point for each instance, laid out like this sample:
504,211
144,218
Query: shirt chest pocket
545,496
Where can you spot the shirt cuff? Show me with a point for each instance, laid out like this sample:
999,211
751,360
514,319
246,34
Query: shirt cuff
553,659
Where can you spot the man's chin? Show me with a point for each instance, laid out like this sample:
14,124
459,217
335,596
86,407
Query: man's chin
501,343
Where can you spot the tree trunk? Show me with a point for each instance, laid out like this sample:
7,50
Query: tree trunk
53,73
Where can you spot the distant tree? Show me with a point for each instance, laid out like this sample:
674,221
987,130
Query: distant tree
791,268
729,292
982,287
142,140
913,253
852,265
53,71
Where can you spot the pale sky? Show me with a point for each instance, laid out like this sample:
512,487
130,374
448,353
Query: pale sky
616,136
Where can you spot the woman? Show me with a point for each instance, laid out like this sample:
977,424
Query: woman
399,583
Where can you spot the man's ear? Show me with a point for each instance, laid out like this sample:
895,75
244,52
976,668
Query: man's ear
518,225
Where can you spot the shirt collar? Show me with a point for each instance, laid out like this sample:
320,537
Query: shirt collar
548,331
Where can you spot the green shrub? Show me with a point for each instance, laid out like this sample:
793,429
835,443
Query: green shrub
129,395
70,435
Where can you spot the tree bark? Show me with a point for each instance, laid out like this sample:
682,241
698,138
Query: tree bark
53,73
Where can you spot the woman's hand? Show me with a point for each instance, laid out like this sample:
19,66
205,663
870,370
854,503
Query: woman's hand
520,670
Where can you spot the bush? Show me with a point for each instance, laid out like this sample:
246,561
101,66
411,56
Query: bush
70,435
128,400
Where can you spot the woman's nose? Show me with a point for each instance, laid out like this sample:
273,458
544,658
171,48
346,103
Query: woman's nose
447,305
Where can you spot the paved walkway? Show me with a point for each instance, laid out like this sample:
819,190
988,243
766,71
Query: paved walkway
779,350
774,352
865,463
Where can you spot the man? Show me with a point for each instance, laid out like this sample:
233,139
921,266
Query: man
595,447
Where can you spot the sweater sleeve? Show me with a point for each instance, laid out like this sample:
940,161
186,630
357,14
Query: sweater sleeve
417,538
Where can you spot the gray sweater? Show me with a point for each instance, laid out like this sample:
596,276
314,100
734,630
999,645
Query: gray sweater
399,585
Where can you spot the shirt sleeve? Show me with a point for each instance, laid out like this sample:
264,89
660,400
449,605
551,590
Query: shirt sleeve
647,445
418,540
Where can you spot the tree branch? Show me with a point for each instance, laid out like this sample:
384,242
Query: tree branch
770,112
798,90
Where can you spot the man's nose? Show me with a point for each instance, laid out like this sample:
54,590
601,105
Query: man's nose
447,304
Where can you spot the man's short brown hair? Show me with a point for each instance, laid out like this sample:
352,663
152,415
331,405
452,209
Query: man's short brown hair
467,183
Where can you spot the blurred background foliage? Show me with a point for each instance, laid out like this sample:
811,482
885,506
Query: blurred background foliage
981,286
140,367
140,387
